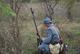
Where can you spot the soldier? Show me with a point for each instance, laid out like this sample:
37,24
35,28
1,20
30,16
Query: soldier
51,40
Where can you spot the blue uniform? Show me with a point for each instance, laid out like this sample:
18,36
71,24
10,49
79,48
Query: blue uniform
52,36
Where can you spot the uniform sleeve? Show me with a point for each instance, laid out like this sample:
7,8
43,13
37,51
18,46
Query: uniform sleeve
48,37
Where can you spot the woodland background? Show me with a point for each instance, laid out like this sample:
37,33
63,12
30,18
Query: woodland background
17,34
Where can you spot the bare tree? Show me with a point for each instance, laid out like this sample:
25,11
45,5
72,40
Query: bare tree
15,31
68,5
49,6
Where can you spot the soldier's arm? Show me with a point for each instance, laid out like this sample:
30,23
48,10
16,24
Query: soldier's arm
51,37
48,37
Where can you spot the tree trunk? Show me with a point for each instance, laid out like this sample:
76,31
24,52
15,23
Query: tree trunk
69,16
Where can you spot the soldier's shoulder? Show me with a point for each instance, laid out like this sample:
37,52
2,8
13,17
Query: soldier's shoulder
51,27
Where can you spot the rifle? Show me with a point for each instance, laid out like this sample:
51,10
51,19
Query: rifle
37,32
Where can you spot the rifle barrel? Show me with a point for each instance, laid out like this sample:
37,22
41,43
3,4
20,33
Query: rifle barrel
35,23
